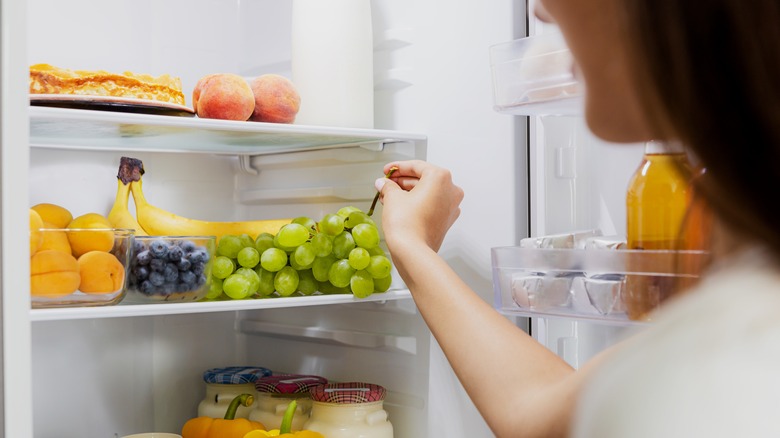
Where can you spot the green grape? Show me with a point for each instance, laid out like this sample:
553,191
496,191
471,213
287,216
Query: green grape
273,259
215,289
297,266
266,281
322,244
278,245
321,267
223,267
251,275
309,223
248,257
264,241
286,281
340,273
329,289
379,266
366,235
345,211
377,250
382,284
361,284
357,217
236,286
359,258
246,240
307,284
332,224
292,235
343,244
303,255
229,245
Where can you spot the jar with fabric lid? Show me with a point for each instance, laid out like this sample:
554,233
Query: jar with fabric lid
349,410
225,384
274,393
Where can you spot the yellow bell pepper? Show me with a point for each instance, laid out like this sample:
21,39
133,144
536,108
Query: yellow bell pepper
229,427
285,430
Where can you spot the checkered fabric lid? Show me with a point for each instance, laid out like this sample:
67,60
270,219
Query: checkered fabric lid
288,383
348,393
235,375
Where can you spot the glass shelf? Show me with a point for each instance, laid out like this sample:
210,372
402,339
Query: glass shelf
65,128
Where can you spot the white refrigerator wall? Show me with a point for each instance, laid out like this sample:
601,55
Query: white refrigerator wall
431,77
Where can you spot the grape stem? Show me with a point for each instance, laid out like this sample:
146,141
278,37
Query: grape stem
376,197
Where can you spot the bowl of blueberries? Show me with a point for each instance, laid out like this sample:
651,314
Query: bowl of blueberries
170,269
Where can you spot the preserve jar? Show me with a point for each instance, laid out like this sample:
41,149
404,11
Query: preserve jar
274,393
225,384
349,410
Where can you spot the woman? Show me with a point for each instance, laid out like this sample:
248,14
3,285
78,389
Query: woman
706,74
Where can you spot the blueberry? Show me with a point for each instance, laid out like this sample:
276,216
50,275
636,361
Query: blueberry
140,272
158,248
175,253
198,268
171,273
199,255
188,277
201,280
138,246
147,288
188,246
183,287
184,264
168,288
157,265
156,278
143,257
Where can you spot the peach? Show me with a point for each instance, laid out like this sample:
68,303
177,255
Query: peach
82,242
56,215
53,273
54,239
223,96
276,99
36,237
101,272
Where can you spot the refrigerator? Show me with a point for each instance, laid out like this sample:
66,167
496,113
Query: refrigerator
115,370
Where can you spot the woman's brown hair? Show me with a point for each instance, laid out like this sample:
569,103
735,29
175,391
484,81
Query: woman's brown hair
713,74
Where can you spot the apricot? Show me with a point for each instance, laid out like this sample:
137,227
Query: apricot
224,96
101,272
36,238
54,238
53,273
276,99
82,242
54,214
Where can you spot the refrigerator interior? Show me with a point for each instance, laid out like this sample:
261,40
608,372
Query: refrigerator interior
112,372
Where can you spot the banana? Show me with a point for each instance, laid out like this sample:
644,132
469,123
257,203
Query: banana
159,222
120,216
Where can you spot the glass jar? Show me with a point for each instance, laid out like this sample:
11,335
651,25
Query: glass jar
349,410
274,393
225,384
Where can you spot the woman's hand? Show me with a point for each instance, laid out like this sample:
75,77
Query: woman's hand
420,204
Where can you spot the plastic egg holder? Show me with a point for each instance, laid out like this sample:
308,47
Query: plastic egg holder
56,264
170,269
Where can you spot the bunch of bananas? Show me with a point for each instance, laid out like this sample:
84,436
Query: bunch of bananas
155,221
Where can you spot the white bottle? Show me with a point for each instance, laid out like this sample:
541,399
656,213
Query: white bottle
349,410
333,62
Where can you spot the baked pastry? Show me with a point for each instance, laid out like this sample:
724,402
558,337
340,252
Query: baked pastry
47,79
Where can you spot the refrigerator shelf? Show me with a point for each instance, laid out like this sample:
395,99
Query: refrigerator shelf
126,310
588,284
66,128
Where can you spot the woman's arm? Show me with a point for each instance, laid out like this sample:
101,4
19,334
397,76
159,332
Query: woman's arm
518,385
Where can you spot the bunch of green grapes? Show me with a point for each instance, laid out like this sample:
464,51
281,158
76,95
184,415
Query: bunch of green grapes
338,254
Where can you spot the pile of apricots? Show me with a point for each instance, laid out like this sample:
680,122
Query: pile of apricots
63,260
269,98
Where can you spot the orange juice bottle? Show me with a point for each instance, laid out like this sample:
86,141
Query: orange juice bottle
658,198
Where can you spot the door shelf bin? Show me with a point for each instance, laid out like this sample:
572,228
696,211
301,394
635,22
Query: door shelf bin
587,283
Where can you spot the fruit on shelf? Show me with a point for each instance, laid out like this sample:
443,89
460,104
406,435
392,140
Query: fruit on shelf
36,237
100,272
158,222
102,239
223,96
120,216
53,273
56,215
276,99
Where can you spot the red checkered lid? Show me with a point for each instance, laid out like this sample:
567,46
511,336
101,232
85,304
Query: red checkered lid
348,393
288,383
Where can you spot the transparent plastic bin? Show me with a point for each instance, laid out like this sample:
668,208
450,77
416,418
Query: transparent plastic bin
588,284
534,76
